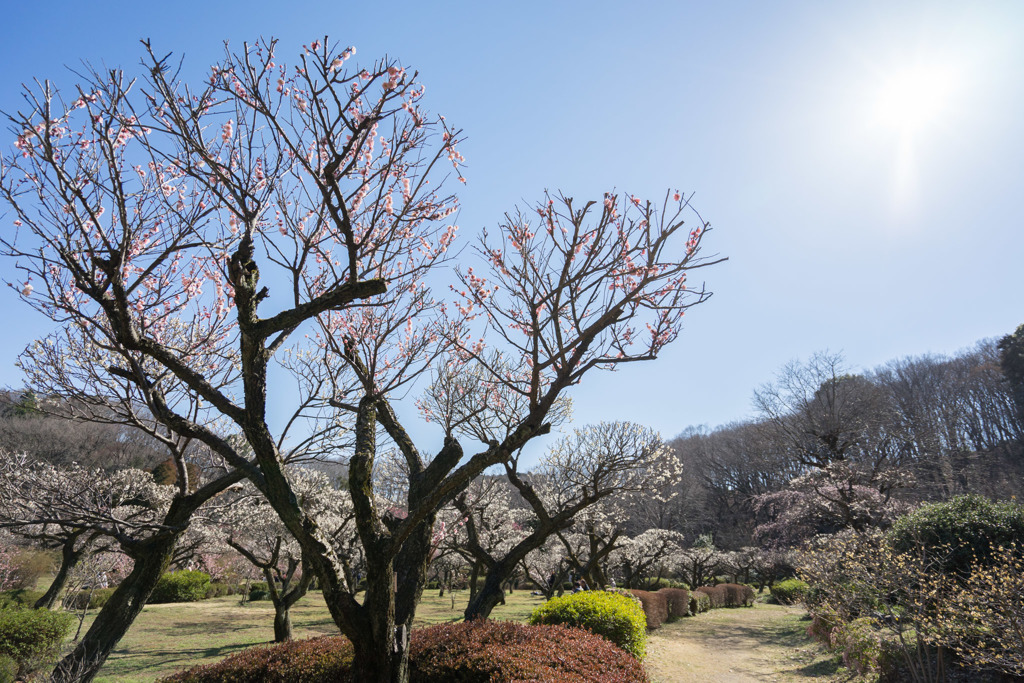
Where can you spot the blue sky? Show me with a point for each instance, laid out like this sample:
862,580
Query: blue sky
846,227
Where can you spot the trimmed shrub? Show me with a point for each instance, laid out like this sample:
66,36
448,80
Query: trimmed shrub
960,530
678,602
317,660
738,595
615,616
658,584
504,652
655,608
218,589
19,597
790,591
32,638
699,602
258,590
716,595
468,652
187,585
91,599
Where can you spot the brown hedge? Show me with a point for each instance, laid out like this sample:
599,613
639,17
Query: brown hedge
473,652
716,595
738,595
655,607
729,595
678,602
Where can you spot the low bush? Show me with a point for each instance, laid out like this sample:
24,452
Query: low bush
678,602
187,585
8,669
505,652
790,591
738,595
655,608
864,650
91,599
615,616
317,660
32,638
258,590
217,589
469,652
19,597
658,584
716,595
699,602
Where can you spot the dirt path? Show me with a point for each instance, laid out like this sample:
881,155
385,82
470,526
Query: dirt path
742,645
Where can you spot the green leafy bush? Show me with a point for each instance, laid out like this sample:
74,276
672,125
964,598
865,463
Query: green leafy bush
863,648
91,599
699,602
615,616
187,585
19,597
658,584
469,652
218,589
8,669
678,602
960,530
258,590
790,591
32,638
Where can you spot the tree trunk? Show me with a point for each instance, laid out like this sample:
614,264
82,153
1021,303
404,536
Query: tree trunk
117,615
488,597
282,624
69,557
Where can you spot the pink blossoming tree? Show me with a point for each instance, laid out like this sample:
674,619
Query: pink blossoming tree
275,218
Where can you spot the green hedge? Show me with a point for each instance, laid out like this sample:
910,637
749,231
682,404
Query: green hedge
699,602
790,591
960,531
32,638
614,616
187,585
89,599
19,597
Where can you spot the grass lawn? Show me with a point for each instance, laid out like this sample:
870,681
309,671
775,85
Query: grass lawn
169,637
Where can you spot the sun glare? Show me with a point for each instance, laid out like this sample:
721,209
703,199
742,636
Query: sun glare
913,99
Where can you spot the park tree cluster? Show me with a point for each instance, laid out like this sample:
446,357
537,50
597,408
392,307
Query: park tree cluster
207,247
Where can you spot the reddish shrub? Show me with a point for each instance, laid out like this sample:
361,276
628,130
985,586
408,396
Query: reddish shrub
678,602
317,660
655,607
738,595
472,652
505,652
716,595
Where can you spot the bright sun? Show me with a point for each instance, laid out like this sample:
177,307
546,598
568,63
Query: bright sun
913,99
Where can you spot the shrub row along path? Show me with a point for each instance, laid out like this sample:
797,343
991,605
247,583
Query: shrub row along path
739,645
